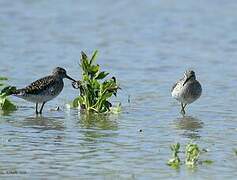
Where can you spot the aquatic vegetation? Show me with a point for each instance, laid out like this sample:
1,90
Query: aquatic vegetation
175,160
5,103
95,90
116,109
192,154
207,161
235,150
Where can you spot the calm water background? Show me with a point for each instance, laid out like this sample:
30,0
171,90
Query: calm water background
147,45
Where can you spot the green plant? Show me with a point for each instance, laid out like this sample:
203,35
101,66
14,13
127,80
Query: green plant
95,92
192,153
175,160
207,161
5,103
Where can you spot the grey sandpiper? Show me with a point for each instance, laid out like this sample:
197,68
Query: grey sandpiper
186,90
44,89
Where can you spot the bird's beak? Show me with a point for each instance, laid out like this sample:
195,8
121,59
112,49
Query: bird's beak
187,80
68,77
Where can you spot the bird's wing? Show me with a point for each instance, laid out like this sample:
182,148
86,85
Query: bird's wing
38,85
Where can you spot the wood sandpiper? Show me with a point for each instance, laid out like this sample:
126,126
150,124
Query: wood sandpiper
44,89
186,90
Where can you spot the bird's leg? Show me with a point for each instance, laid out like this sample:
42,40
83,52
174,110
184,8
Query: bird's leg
42,107
182,108
185,105
36,109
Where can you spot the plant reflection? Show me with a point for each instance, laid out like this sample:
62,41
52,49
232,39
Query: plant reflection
5,113
98,125
99,121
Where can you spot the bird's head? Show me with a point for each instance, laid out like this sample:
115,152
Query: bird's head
60,72
189,75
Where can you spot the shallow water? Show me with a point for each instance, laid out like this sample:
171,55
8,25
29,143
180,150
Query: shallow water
147,45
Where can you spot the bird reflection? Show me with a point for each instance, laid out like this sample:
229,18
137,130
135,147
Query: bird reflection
190,125
43,123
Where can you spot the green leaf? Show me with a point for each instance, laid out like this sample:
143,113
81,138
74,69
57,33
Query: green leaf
83,55
175,160
107,105
93,58
75,102
106,96
175,147
102,75
3,78
174,163
84,63
192,153
6,105
96,85
207,161
94,69
81,100
8,90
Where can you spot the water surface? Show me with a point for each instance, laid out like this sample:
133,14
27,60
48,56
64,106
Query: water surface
147,45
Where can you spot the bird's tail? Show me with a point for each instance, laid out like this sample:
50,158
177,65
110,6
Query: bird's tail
10,90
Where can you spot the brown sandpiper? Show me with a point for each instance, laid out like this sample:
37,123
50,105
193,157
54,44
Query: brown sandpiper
44,89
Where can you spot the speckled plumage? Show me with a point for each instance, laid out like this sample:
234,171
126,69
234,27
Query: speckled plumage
186,90
44,89
41,90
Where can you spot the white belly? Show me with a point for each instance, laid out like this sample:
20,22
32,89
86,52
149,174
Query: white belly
37,98
44,96
184,95
177,93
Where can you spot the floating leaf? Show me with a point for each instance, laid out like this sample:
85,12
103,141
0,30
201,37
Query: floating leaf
192,153
174,163
175,160
207,161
